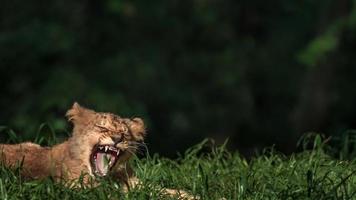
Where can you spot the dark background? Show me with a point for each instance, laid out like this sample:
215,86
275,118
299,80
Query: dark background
256,72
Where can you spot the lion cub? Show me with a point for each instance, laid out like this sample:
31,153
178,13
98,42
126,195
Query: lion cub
100,145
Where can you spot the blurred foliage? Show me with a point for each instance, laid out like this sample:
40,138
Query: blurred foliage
254,71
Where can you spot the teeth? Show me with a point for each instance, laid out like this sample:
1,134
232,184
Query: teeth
100,148
118,152
106,148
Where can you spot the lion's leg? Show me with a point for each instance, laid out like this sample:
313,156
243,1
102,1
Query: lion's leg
134,182
131,182
181,194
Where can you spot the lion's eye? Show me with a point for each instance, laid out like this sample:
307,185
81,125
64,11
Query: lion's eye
102,129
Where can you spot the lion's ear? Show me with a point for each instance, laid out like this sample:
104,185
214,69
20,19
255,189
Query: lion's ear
137,128
79,115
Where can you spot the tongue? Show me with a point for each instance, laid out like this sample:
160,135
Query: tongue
103,162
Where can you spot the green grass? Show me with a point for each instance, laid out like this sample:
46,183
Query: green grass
310,174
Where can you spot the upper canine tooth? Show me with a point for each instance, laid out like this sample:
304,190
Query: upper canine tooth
106,148
118,152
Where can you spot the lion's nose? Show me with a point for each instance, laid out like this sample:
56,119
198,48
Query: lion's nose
116,139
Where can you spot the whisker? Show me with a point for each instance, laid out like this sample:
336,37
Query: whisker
137,149
141,144
130,151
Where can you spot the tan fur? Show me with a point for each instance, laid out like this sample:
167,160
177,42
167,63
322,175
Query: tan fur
70,159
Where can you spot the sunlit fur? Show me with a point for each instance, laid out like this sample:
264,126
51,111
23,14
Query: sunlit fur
71,159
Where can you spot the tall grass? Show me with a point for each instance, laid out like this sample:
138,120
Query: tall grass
210,172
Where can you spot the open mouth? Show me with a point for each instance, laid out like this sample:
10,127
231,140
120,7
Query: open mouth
103,158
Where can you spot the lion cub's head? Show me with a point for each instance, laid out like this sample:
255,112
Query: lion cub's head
103,140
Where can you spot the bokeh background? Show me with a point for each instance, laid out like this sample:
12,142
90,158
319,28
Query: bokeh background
256,72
